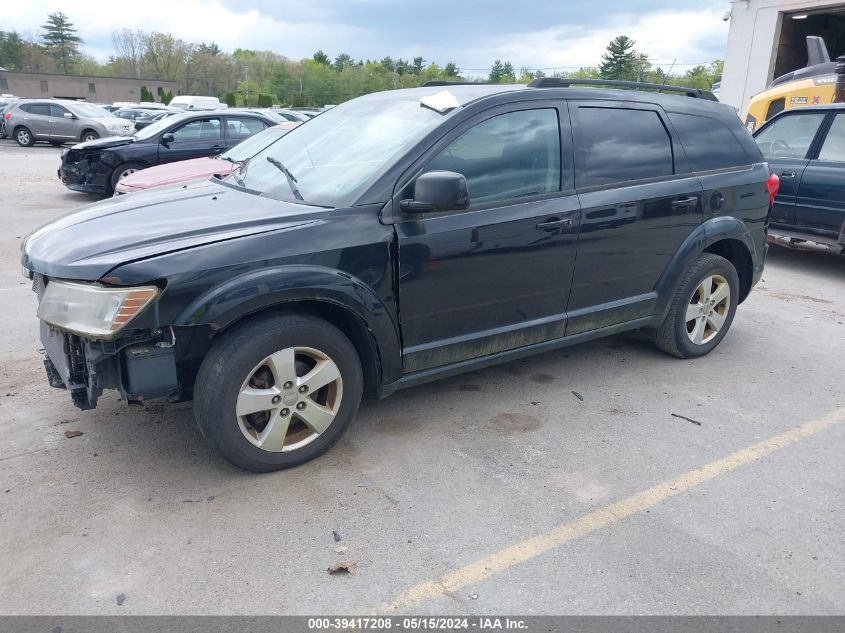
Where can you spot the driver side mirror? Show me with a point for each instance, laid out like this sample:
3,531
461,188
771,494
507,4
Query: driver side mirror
438,191
69,115
167,138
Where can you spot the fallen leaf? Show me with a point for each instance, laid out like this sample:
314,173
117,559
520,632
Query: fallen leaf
70,434
342,568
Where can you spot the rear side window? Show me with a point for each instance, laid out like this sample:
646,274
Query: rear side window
708,143
619,145
42,109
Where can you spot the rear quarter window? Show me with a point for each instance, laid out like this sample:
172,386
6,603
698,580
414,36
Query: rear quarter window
708,142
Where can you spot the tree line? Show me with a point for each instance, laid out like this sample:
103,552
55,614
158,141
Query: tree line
252,77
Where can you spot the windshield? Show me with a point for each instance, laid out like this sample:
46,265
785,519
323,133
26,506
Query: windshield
89,111
254,144
154,128
335,156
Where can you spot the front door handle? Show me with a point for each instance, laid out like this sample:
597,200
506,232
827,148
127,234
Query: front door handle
787,174
684,202
555,224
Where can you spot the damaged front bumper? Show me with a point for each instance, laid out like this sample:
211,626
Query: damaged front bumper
140,367
83,171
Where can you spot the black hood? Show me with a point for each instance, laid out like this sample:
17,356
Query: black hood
105,142
88,243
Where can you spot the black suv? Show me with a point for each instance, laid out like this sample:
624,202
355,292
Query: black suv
97,166
806,148
399,238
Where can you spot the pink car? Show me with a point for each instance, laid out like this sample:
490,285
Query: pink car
193,169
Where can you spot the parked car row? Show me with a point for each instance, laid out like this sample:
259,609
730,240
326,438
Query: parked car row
392,240
95,167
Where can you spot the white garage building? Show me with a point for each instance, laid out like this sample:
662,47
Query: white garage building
768,38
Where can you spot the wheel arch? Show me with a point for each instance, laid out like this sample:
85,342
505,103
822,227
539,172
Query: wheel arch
726,236
334,296
88,129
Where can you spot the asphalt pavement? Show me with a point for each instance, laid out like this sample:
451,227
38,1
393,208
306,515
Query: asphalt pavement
562,484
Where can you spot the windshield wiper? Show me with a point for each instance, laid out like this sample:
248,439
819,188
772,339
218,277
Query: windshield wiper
291,180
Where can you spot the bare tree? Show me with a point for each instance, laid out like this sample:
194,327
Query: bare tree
130,45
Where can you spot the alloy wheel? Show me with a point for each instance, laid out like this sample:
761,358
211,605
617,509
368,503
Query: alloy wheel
23,137
289,399
708,308
125,173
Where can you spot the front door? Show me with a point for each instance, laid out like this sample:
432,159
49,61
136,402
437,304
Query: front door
785,144
194,139
61,127
496,276
639,202
820,203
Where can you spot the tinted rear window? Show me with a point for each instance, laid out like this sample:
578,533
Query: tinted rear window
620,145
708,143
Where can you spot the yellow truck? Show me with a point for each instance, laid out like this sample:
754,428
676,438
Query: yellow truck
816,84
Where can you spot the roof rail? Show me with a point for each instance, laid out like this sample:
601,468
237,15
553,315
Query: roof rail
560,82
430,84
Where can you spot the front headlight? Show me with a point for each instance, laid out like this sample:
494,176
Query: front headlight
90,310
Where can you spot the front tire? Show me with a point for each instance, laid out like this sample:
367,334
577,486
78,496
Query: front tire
123,170
702,309
24,137
277,391
88,136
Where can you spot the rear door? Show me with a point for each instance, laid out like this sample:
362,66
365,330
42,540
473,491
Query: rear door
820,203
36,117
639,202
193,139
786,144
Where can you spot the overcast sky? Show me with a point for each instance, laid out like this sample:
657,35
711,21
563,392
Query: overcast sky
543,34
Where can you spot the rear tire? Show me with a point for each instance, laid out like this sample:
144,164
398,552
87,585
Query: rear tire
296,381
702,309
24,137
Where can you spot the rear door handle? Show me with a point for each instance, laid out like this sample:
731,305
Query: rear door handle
554,224
684,202
787,174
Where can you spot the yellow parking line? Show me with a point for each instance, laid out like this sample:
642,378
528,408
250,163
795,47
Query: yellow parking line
531,548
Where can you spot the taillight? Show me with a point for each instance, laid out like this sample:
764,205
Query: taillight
772,186
7,116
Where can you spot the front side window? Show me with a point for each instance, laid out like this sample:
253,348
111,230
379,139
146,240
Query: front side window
198,130
513,155
834,145
790,136
619,145
57,111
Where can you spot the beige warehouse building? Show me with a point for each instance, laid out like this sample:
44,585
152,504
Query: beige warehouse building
94,89
768,39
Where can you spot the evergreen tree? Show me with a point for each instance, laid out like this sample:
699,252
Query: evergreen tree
620,60
496,71
508,75
11,50
321,58
61,41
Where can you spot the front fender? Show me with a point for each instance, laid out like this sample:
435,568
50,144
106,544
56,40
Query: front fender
256,290
709,232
